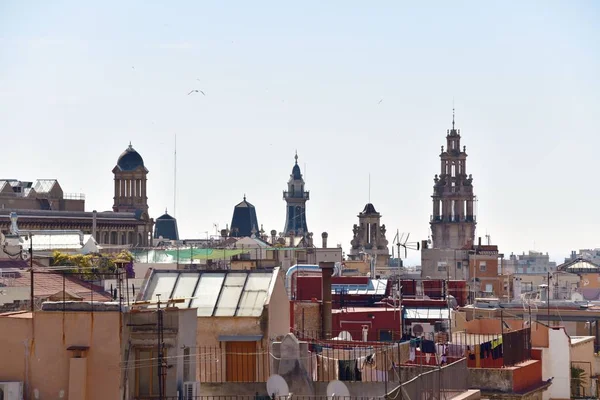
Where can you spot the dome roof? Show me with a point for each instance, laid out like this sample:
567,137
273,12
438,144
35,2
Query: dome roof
130,160
296,174
369,209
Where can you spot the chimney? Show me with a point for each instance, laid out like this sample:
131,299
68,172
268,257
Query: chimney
94,214
273,237
324,237
479,241
327,271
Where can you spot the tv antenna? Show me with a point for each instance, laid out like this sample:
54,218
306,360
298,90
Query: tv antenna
402,242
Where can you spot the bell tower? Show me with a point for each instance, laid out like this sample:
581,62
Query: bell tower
130,182
295,198
453,220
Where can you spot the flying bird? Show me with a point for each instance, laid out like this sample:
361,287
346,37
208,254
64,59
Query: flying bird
380,101
196,91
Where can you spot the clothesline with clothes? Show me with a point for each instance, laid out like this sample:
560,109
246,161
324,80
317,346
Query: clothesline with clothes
365,364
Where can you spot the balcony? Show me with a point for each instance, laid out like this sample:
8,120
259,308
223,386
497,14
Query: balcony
296,195
452,218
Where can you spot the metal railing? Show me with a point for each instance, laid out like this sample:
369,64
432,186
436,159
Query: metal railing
439,383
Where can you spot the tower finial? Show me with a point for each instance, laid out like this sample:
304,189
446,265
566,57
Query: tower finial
244,196
130,146
453,116
296,157
166,210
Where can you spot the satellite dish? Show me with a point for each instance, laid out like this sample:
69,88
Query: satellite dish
345,335
576,297
337,389
277,386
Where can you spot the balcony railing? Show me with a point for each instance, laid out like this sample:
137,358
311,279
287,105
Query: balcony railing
296,195
453,218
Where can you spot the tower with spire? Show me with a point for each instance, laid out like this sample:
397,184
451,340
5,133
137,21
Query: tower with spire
295,197
453,220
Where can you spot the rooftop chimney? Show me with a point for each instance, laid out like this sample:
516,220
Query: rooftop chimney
324,236
327,271
479,241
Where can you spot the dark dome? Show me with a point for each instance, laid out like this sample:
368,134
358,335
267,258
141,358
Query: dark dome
296,174
130,160
369,209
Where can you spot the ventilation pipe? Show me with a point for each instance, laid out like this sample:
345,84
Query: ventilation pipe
94,215
273,237
324,236
313,270
327,271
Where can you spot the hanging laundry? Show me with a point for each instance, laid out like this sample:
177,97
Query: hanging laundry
427,346
485,350
497,348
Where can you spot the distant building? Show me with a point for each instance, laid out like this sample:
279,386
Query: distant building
166,227
592,255
44,206
531,263
244,221
453,220
295,198
369,241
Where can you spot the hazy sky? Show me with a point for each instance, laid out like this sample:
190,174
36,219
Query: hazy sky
78,81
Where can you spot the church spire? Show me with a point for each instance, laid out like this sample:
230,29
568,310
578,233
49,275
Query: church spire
452,118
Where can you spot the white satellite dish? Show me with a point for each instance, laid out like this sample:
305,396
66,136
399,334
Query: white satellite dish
277,386
576,296
345,335
337,389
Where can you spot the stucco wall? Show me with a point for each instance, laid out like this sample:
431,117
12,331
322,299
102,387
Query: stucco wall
278,309
556,363
35,350
307,317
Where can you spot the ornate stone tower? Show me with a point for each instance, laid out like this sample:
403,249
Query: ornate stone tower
453,220
130,183
295,198
369,236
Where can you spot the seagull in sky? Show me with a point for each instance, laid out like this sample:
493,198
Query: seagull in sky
196,91
380,101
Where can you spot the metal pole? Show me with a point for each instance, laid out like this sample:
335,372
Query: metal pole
31,268
160,349
548,298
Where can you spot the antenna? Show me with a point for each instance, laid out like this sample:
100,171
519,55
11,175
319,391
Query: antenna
175,179
406,244
369,187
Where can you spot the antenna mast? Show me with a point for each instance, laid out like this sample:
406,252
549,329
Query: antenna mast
175,179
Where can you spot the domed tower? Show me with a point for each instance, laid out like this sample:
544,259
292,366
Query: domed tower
130,183
295,197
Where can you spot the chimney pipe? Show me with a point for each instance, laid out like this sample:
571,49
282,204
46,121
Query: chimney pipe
94,213
324,236
479,241
327,271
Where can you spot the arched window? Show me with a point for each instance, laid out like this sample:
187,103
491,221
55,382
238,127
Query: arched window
113,238
123,241
130,238
140,240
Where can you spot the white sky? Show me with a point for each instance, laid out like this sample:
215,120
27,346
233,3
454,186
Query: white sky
78,81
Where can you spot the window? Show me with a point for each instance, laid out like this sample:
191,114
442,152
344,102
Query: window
146,372
441,266
458,265
489,288
385,335
482,266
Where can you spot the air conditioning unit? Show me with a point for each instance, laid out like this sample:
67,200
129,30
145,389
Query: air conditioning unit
11,390
191,390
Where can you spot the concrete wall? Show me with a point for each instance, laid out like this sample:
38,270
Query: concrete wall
307,317
356,389
522,378
556,363
34,350
278,309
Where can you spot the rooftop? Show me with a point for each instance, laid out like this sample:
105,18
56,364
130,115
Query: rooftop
212,293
